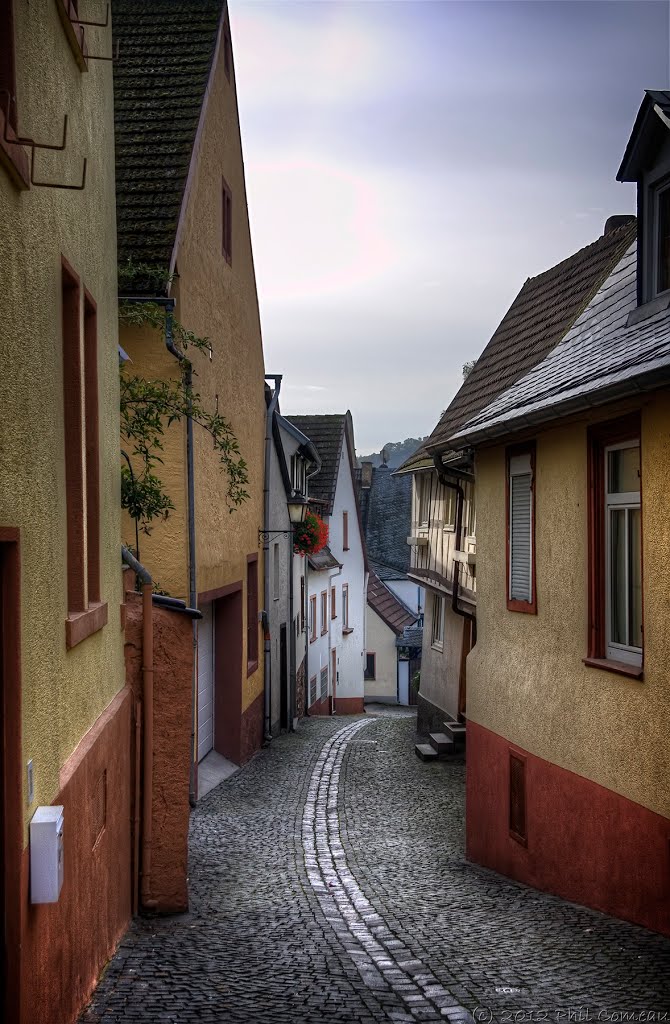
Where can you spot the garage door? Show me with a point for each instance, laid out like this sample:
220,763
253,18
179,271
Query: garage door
205,681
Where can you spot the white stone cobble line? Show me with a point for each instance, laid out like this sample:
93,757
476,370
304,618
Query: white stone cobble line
370,942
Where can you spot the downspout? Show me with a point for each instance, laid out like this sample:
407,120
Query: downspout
148,725
168,305
267,642
460,499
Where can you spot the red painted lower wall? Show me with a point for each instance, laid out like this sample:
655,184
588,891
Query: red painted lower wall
251,733
585,843
64,945
343,706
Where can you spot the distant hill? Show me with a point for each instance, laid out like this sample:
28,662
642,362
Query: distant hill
396,452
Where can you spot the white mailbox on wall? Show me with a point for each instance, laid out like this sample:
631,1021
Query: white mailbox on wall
46,855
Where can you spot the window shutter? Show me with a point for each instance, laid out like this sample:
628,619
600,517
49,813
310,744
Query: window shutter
520,541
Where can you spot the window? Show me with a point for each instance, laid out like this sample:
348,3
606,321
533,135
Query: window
302,604
312,618
345,531
85,613
324,612
298,474
615,544
333,603
662,221
450,508
370,665
345,608
312,691
521,529
227,222
324,682
472,520
424,485
252,613
437,625
275,570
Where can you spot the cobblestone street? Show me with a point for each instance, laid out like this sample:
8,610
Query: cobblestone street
328,883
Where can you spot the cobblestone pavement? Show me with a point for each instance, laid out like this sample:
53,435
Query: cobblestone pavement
328,883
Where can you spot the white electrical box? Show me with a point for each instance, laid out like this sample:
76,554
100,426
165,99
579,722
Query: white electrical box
46,855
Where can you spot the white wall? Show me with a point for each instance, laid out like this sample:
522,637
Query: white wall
409,592
381,642
350,646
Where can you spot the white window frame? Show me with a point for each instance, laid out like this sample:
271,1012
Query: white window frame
423,500
626,500
437,623
345,606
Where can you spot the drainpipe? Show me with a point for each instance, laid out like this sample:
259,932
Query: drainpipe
148,725
460,500
169,305
267,643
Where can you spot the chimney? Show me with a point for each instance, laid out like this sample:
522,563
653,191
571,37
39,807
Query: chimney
366,474
617,220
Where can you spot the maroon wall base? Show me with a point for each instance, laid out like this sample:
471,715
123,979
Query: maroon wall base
349,705
64,945
252,729
585,843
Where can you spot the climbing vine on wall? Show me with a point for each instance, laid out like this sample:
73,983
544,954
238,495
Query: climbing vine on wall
150,407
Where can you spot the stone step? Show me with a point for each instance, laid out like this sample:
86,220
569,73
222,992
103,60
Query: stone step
456,731
441,743
425,751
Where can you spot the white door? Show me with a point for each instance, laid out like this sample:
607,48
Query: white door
403,682
205,681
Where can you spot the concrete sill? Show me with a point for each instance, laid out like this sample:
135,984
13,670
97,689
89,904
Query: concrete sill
620,668
347,630
251,667
83,624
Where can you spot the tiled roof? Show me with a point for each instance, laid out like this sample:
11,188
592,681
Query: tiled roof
327,435
166,48
323,559
411,636
600,359
388,607
386,511
542,313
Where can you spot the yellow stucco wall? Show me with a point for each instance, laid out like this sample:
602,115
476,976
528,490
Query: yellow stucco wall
381,640
62,692
216,300
526,679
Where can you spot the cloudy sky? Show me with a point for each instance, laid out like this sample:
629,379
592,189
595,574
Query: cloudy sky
410,164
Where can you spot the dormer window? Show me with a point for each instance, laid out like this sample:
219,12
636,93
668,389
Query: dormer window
299,474
662,225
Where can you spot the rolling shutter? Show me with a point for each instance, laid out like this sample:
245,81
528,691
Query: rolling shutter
521,529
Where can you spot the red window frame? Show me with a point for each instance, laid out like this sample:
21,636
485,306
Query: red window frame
513,604
333,603
226,221
86,612
312,612
252,613
599,437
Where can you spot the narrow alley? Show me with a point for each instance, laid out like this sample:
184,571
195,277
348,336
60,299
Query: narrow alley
328,882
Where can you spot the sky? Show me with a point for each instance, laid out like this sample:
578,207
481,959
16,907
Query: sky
410,164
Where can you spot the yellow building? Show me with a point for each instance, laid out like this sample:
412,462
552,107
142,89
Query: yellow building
182,211
66,712
568,699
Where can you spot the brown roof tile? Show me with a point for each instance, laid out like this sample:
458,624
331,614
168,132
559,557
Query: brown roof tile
387,606
542,313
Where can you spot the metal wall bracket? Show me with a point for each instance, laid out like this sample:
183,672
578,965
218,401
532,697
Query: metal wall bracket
20,140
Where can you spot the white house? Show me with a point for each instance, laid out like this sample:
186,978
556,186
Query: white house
387,664
336,578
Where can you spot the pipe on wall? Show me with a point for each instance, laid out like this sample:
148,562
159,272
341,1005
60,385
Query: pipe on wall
267,640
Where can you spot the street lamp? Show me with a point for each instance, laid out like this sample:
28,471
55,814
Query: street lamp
297,508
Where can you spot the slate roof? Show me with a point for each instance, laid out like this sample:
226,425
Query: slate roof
394,613
323,559
613,350
387,572
542,313
386,512
327,435
166,48
411,636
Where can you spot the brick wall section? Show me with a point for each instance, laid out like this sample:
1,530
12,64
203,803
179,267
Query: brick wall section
173,681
